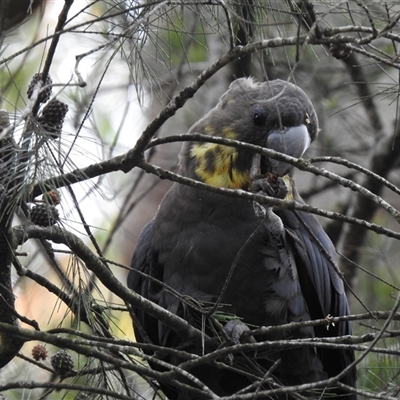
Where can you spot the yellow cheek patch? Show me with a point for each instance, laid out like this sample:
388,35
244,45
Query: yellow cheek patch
209,130
229,133
215,165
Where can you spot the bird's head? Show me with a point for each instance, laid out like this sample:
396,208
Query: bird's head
276,115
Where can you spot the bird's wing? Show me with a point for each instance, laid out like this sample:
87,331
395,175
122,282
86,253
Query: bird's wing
140,265
146,279
322,287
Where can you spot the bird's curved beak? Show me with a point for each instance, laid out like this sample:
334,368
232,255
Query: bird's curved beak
293,141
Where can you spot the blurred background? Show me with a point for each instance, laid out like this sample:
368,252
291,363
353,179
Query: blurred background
134,56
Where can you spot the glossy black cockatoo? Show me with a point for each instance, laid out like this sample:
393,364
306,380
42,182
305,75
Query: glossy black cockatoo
263,266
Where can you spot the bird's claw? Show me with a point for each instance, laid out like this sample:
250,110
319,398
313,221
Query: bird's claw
235,329
271,185
274,223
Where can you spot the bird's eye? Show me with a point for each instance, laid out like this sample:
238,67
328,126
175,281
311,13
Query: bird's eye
259,116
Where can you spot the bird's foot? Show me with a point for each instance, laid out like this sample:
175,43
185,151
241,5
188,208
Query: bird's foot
235,329
274,223
270,185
